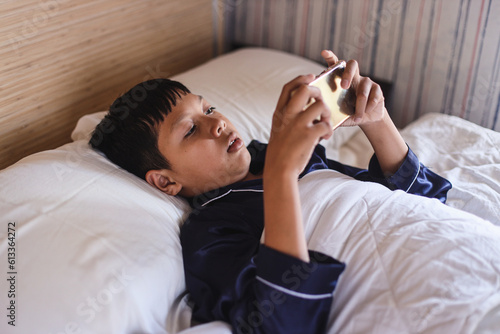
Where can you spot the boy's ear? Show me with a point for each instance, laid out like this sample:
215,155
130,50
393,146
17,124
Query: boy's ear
160,179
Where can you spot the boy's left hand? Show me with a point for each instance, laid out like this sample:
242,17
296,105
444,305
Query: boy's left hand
370,106
372,117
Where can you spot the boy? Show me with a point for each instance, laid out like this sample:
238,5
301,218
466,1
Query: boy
181,145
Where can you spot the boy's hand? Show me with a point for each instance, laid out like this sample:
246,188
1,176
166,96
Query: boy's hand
370,106
372,117
295,132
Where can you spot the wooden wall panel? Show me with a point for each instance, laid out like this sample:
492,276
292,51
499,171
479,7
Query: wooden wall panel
61,59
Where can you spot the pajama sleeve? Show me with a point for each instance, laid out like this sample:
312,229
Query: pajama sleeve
412,177
232,277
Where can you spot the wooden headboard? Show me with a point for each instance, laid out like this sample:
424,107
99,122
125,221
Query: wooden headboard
61,59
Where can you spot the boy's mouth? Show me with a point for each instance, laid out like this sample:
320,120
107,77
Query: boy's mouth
235,143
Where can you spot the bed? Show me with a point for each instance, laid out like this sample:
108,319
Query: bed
97,249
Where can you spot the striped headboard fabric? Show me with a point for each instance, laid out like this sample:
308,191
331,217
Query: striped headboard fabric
441,56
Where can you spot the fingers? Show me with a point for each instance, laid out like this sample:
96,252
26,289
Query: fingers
368,97
318,116
351,71
290,89
297,94
330,57
351,74
301,97
291,112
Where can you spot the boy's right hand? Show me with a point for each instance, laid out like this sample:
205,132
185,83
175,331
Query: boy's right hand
295,132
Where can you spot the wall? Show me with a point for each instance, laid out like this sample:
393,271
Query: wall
61,59
442,56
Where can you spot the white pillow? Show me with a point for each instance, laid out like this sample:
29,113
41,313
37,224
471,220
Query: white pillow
96,248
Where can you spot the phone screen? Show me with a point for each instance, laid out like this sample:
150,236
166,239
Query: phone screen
342,102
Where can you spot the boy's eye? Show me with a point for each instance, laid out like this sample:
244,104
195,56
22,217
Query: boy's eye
191,131
209,111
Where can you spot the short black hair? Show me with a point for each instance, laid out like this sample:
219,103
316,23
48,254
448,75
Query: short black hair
128,134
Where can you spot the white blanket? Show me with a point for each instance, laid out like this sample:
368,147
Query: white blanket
414,265
466,154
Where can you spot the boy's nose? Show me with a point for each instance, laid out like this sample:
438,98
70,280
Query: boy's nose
218,127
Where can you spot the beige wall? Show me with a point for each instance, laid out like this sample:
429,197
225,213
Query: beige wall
61,59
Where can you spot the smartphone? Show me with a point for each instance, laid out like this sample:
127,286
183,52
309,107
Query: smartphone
342,102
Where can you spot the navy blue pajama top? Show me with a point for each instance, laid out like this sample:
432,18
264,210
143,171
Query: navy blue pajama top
232,277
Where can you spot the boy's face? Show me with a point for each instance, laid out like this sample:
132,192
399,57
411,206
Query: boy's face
203,148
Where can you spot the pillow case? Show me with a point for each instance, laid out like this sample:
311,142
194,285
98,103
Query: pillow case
96,248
